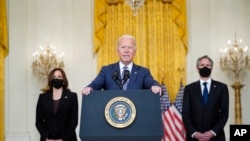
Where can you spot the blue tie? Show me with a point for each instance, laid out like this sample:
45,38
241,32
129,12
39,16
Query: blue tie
205,93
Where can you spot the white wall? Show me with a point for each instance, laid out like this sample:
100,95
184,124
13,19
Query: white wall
211,24
69,26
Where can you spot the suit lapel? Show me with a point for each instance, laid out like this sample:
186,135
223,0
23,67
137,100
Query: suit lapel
50,103
117,67
199,91
133,75
62,101
213,87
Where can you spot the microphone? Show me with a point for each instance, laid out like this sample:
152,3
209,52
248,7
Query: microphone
116,79
115,75
126,76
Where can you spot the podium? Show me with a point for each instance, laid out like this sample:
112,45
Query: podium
146,125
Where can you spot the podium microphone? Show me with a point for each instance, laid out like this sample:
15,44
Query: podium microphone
126,76
116,79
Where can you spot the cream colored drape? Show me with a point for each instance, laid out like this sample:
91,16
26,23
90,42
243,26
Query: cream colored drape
3,54
160,30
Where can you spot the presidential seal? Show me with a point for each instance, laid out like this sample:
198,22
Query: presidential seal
120,112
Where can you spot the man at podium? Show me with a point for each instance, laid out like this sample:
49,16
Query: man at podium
124,74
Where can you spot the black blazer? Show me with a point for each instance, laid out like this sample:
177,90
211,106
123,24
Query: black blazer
61,124
198,117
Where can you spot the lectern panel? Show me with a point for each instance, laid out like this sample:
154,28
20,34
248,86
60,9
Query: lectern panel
146,126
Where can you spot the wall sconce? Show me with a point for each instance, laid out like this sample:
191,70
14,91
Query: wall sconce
45,61
235,59
135,5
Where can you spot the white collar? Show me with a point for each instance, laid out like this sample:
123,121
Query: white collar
208,81
121,65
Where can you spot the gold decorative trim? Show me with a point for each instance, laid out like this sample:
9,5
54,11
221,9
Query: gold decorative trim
167,1
114,1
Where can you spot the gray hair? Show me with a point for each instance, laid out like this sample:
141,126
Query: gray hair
204,57
126,36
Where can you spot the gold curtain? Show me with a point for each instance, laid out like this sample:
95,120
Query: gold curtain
3,54
160,30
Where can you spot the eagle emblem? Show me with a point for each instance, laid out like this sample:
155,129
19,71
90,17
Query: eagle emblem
120,111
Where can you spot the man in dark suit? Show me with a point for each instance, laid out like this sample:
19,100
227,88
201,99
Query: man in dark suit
111,76
205,105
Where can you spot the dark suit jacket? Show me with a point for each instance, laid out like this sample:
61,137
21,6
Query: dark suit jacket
61,124
198,117
140,78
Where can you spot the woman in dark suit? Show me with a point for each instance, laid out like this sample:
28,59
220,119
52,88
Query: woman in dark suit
205,105
57,110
